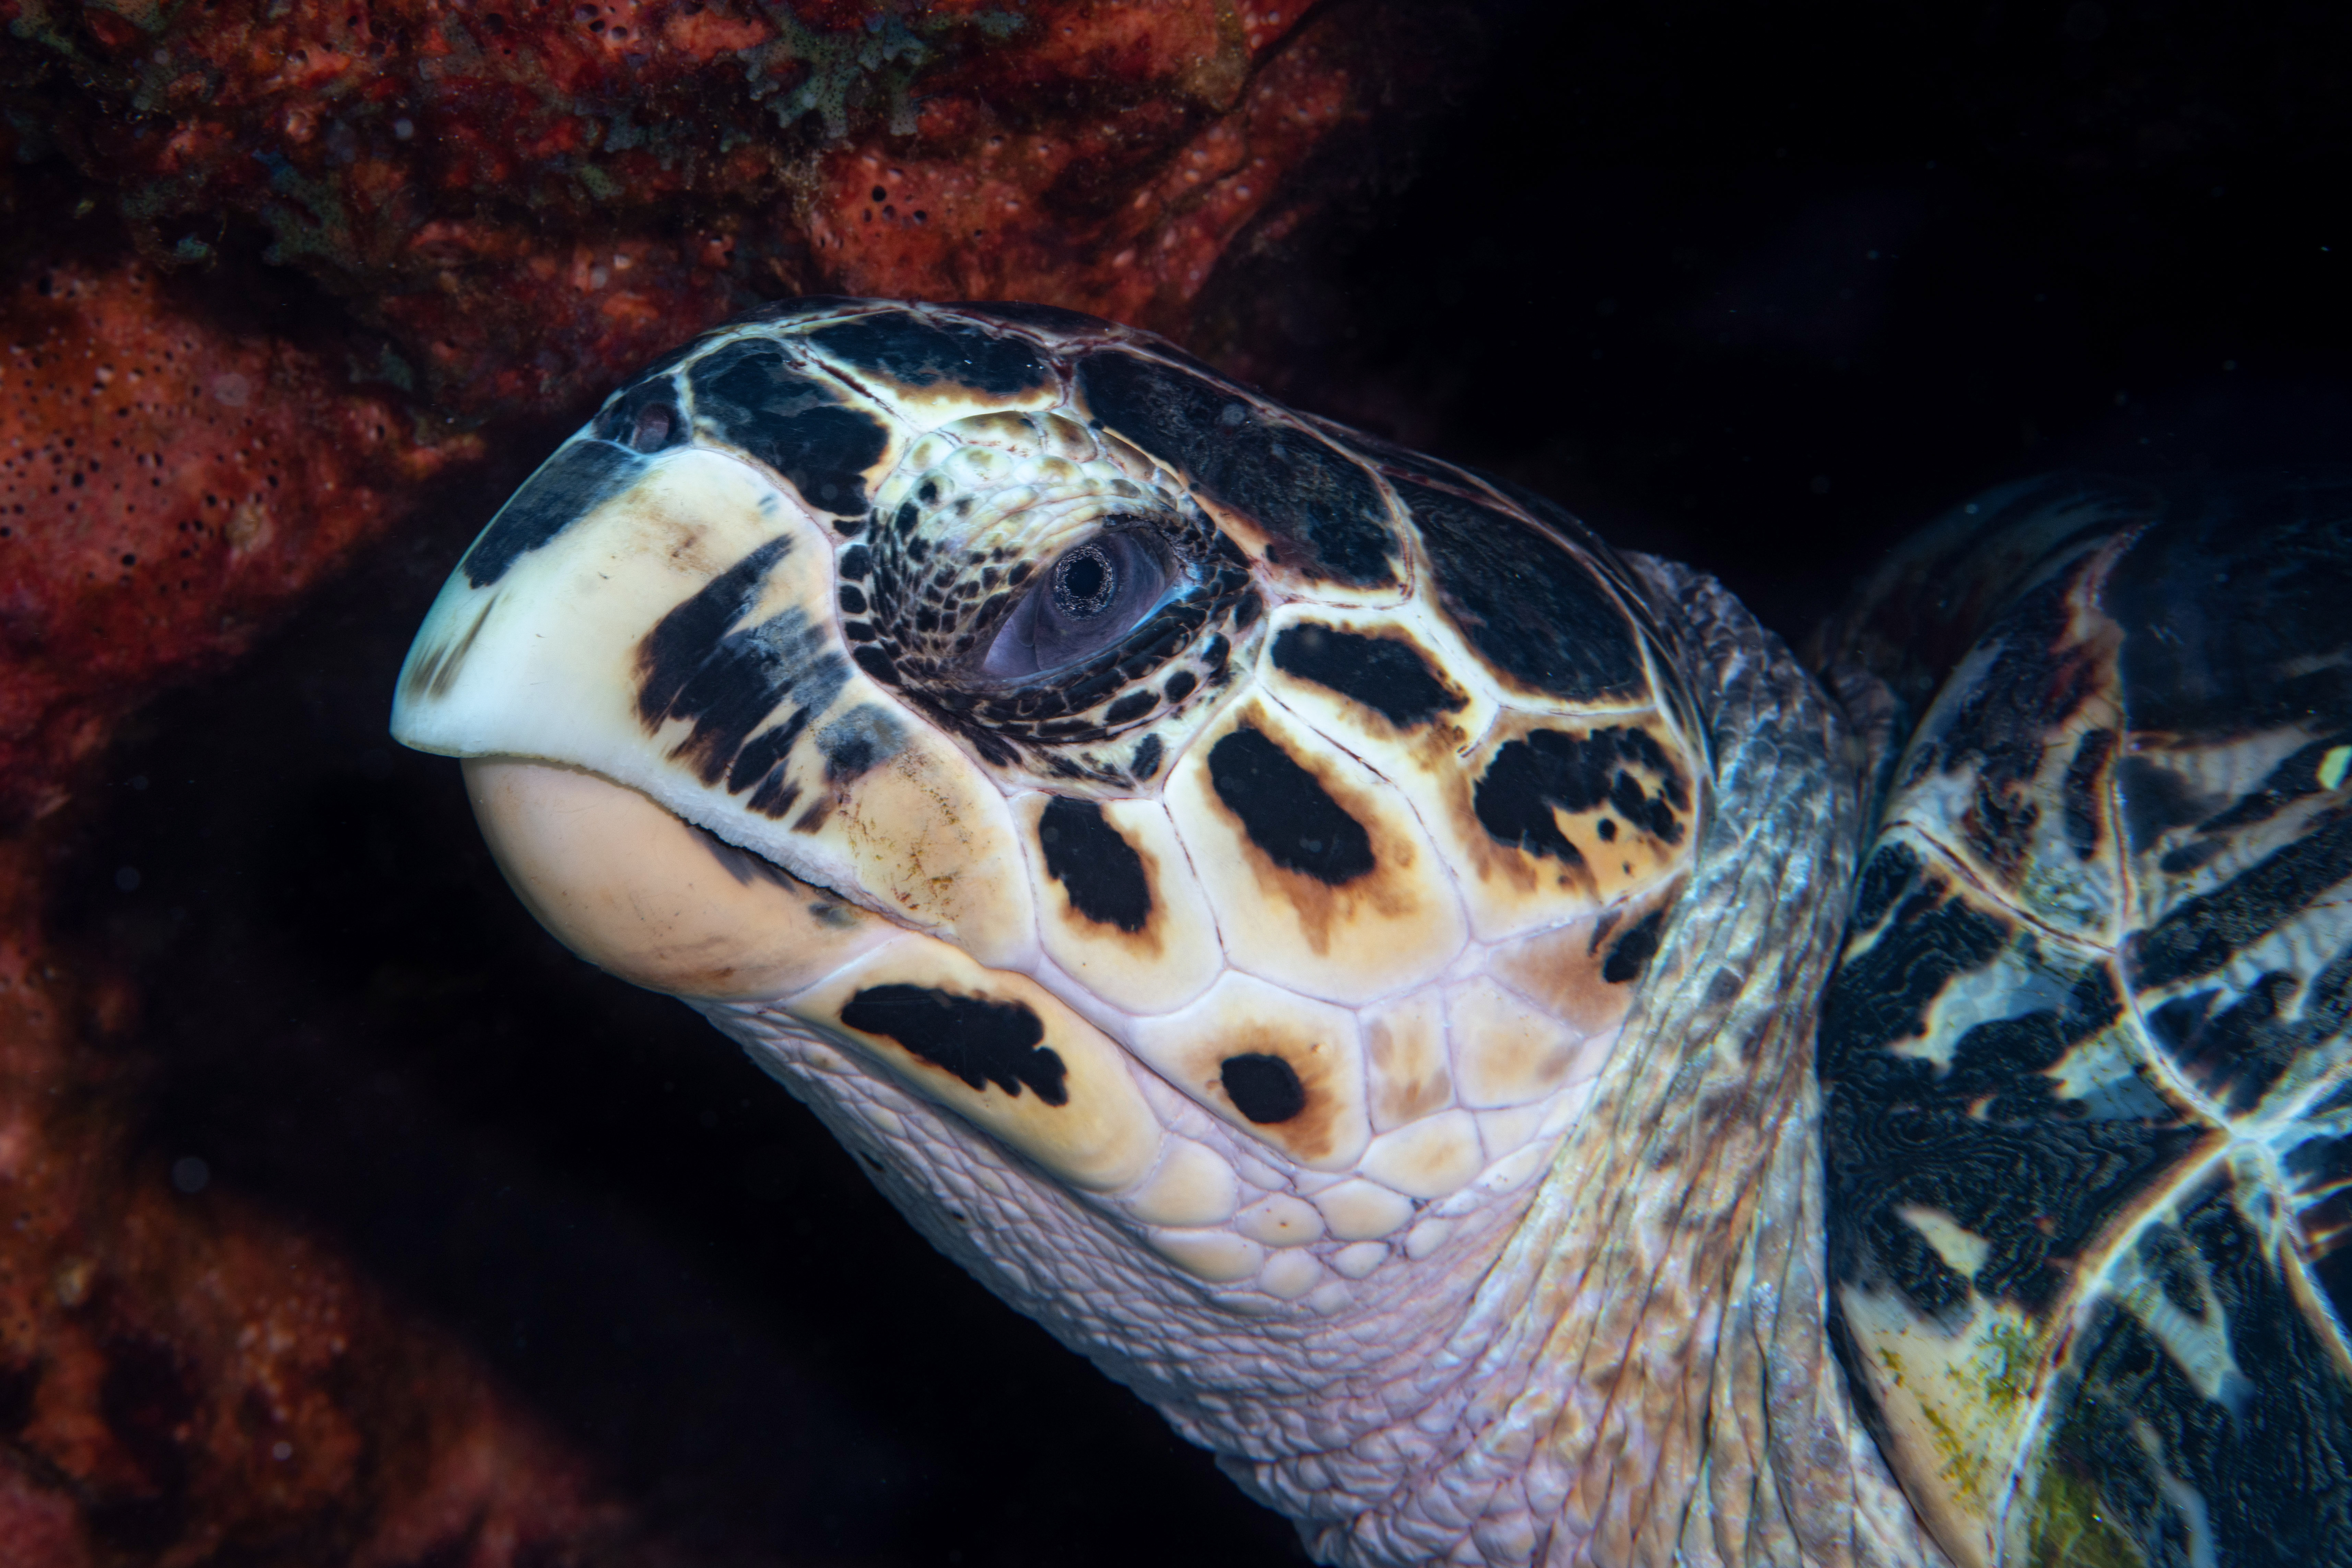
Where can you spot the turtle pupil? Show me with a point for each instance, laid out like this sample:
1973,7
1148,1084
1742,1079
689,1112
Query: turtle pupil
1085,582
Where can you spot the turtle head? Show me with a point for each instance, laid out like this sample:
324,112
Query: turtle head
1202,856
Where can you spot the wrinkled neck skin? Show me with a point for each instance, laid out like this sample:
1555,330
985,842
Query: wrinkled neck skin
1624,1362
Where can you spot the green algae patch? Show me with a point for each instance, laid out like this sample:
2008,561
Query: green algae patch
2070,1528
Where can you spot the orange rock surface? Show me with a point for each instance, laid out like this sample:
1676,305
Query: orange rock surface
523,196
166,488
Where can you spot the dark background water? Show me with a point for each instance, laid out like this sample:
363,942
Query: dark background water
1756,286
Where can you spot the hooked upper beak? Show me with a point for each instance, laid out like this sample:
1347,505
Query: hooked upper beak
649,681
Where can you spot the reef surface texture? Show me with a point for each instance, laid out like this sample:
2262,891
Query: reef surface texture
281,276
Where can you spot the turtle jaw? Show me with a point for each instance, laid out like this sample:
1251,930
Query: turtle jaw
625,884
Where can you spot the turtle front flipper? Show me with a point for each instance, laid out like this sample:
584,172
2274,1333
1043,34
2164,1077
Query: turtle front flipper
2087,1074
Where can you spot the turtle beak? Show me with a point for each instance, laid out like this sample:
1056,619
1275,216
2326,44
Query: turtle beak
640,661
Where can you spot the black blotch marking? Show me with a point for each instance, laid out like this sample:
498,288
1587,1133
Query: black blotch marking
793,423
1631,593
1395,461
2079,794
2188,857
2200,935
1535,610
1321,505
2320,1169
1988,1140
1146,761
980,1041
2155,800
674,651
2164,1255
1387,675
1572,528
1631,954
1891,868
1134,705
582,476
643,416
695,665
1263,1087
2296,776
1179,686
1285,811
436,672
857,742
915,353
756,766
1094,864
1478,489
1547,768
2238,1054
2005,722
857,563
746,867
852,600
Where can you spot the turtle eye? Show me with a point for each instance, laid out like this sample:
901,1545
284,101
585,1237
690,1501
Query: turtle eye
1095,593
654,423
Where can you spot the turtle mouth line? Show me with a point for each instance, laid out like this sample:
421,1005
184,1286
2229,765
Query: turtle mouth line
640,892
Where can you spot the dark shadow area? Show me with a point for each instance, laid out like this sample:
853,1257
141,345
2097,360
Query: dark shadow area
1762,287
1755,286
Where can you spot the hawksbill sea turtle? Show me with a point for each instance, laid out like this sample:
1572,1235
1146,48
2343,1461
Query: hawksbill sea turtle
1460,1019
